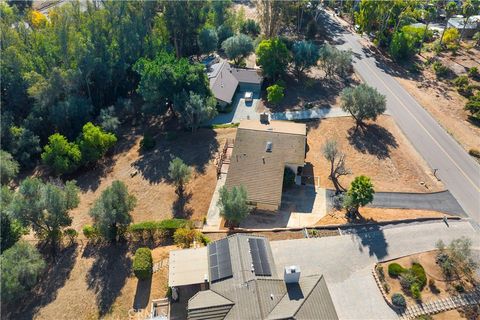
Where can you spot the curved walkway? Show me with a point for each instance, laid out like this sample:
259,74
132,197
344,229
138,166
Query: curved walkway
442,201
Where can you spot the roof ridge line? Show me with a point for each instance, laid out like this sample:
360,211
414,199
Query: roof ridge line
221,295
308,295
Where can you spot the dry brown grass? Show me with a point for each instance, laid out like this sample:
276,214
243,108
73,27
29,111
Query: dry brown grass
156,197
383,154
378,215
77,299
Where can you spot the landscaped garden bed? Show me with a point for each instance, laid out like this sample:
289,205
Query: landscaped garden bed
429,276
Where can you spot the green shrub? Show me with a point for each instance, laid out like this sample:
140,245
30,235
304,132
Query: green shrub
147,143
419,272
143,263
460,81
146,230
172,224
399,300
381,273
473,106
288,178
415,291
459,287
71,234
204,239
466,91
90,232
473,72
439,69
184,237
386,287
407,280
394,270
474,153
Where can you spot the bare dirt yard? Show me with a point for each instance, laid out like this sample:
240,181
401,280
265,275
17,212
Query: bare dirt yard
381,152
441,98
438,289
373,215
92,283
146,175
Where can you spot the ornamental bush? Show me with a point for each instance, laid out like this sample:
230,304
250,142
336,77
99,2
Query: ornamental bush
90,232
415,291
419,273
399,300
143,263
394,270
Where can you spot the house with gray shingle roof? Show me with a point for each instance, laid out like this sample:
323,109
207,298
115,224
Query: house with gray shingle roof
225,80
261,152
242,282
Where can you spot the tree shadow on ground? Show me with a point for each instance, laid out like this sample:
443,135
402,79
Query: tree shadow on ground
142,293
179,205
310,90
373,139
195,149
109,272
372,238
53,278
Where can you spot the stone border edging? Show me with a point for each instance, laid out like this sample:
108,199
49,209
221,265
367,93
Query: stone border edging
398,310
332,226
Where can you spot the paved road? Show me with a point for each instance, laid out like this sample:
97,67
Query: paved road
459,172
442,201
347,261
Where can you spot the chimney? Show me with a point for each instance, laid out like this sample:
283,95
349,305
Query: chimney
264,118
291,274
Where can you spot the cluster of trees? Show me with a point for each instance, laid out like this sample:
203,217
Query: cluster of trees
274,57
63,156
83,64
388,20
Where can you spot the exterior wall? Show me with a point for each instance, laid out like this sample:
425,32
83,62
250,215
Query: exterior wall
267,207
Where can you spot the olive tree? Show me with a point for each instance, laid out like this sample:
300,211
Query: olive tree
363,103
233,204
305,56
180,174
111,212
8,167
238,47
22,265
45,207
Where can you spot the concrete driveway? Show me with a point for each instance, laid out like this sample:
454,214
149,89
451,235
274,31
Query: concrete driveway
241,110
347,261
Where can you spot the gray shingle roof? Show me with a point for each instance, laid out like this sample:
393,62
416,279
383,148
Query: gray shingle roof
259,171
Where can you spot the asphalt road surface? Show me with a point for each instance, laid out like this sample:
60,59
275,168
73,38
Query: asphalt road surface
458,171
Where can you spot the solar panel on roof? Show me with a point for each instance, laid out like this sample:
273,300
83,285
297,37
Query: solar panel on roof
219,261
258,250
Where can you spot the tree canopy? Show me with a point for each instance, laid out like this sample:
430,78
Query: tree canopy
207,40
45,207
359,194
363,103
94,143
8,167
238,47
305,56
180,174
233,204
22,266
275,93
111,212
61,155
273,56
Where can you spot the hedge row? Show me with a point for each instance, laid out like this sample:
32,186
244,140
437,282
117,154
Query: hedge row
146,228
